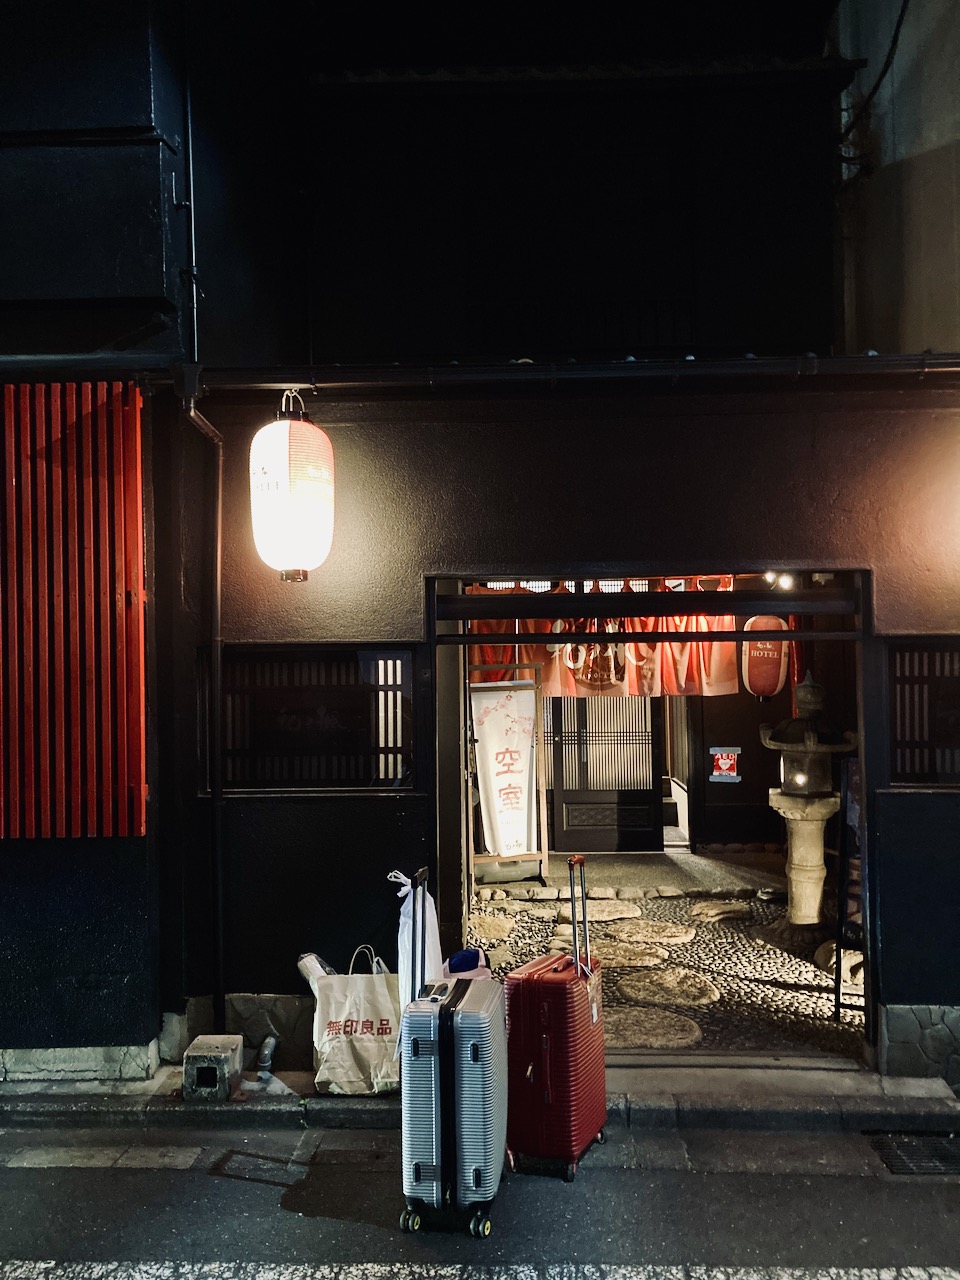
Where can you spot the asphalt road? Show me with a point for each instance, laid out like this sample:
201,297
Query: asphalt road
294,1205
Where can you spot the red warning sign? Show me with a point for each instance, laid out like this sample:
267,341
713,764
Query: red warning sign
725,760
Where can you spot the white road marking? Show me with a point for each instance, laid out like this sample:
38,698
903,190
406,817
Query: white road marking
49,1270
133,1157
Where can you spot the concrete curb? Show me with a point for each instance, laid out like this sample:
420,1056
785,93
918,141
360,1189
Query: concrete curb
651,1112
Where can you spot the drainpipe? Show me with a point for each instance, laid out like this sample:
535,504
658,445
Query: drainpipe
188,378
191,375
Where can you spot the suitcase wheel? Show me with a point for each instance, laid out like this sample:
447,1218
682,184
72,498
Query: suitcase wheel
480,1225
410,1220
601,1137
570,1172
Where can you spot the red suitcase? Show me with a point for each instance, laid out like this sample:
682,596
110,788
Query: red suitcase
557,1094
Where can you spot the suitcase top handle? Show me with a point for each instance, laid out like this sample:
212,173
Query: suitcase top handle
577,860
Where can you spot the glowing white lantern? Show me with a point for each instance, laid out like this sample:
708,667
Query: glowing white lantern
291,493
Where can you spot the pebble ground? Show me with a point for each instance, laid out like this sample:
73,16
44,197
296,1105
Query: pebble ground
772,997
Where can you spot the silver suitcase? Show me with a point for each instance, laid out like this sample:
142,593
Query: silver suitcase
453,1091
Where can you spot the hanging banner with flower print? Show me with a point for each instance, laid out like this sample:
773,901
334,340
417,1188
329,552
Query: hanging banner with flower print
504,727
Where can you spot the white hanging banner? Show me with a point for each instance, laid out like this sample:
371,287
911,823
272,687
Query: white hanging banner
504,724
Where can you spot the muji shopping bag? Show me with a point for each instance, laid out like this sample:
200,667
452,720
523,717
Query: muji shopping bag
355,1028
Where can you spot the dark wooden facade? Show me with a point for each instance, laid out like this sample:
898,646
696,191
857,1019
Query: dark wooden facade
656,239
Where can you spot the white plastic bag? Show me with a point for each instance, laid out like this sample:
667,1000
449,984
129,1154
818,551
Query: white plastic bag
433,957
356,1025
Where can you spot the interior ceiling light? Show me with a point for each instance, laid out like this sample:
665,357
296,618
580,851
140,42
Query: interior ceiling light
291,492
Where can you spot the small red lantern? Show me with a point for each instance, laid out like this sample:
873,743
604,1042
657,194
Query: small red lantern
291,492
763,663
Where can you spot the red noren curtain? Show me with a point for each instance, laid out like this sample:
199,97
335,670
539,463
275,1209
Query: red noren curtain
679,667
72,696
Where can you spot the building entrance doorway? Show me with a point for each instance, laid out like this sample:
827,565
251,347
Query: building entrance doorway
687,860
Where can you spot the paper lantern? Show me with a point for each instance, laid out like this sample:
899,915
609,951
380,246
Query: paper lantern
291,494
764,662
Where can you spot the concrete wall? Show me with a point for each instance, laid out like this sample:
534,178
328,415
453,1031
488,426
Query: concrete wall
902,211
656,483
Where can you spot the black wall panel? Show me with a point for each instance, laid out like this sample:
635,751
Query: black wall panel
87,222
83,67
77,943
916,860
311,875
738,812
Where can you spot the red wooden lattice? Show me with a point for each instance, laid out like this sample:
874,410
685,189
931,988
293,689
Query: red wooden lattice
72,696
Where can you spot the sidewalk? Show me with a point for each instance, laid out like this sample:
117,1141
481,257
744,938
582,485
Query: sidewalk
723,1092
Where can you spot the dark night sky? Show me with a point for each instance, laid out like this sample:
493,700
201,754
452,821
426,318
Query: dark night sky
297,39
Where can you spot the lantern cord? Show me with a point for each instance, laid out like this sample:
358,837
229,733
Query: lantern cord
287,399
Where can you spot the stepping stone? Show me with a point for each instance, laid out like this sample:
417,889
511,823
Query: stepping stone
649,1029
710,912
670,891
540,913
485,895
851,964
602,893
518,891
512,905
544,893
539,910
613,909
492,928
666,933
669,986
630,893
628,955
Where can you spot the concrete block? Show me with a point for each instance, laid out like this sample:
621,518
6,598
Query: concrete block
173,1037
212,1067
87,1062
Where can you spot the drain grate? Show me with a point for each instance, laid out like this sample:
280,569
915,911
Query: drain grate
918,1152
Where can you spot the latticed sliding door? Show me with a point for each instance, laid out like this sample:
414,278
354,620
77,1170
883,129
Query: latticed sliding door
606,773
72,697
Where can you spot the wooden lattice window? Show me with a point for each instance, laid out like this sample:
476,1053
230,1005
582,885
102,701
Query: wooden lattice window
312,718
925,713
72,698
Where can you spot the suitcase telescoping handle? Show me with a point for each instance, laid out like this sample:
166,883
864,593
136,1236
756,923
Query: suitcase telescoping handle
582,970
418,935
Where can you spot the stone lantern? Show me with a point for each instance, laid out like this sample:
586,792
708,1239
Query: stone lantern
805,797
